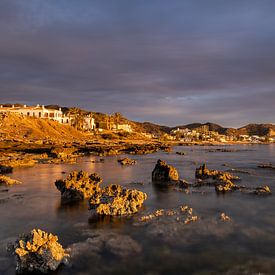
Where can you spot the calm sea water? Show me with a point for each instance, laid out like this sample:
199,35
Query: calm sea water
246,245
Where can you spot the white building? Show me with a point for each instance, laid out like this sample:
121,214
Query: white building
89,122
38,112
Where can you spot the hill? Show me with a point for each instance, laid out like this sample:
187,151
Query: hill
16,126
257,129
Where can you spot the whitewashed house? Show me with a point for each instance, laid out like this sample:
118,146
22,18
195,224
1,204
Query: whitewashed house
38,112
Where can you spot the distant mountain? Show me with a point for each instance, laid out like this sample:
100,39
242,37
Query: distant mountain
212,127
151,128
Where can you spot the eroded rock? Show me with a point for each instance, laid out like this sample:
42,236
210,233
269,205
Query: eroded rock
115,200
39,251
78,186
164,172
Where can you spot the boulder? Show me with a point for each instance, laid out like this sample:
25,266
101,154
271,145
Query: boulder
114,200
39,251
164,172
78,186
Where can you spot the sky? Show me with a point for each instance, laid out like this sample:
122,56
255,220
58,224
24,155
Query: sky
169,62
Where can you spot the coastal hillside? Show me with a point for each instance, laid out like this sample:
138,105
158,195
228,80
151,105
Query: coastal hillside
257,129
16,126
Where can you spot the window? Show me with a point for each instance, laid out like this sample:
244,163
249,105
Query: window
51,114
33,114
39,114
28,113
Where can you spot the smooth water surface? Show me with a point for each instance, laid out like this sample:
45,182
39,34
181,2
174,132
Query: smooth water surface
245,245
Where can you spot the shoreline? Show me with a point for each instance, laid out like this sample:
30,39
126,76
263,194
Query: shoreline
15,154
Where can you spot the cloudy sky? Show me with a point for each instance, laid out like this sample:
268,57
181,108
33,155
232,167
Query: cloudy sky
170,62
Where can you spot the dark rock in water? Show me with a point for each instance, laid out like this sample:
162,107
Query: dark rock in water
267,166
164,172
262,190
127,161
78,185
5,169
39,251
183,184
180,153
115,200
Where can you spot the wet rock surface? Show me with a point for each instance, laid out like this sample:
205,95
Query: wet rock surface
164,172
38,251
78,186
127,161
116,200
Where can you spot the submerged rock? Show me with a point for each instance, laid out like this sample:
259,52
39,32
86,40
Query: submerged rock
39,251
115,200
78,185
164,172
8,181
127,161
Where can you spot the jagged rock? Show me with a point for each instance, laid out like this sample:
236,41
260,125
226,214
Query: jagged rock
8,181
164,172
78,185
5,169
115,200
127,161
221,180
262,190
39,251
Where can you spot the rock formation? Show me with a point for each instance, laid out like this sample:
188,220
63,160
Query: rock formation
115,200
78,185
39,251
164,172
127,161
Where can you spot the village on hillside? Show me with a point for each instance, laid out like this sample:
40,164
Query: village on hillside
101,123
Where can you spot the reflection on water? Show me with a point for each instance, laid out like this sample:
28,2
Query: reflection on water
247,244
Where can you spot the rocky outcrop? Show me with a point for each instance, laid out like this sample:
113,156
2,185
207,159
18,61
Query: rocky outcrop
127,161
164,172
223,181
39,251
78,185
8,181
115,200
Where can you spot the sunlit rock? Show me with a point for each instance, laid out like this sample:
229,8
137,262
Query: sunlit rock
39,251
115,200
78,185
